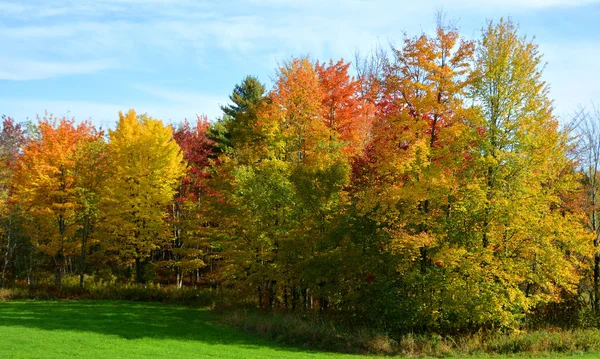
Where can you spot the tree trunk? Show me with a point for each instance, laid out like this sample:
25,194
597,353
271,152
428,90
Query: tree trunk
84,239
597,277
294,292
271,293
7,254
57,280
82,264
4,267
4,271
35,272
323,303
305,298
59,260
260,296
139,278
179,277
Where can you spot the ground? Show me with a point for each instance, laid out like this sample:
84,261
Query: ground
112,329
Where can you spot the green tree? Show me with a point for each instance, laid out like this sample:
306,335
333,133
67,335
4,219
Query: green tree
285,174
238,125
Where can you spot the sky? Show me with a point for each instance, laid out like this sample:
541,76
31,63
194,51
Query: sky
174,59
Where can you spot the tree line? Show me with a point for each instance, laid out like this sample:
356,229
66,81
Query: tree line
433,191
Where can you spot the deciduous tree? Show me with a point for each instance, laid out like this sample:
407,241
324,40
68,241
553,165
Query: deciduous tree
191,212
146,164
12,137
47,187
530,240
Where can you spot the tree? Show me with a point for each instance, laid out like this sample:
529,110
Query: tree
342,110
12,137
411,173
146,164
248,189
91,172
587,131
191,209
285,177
309,144
530,240
239,123
46,186
245,96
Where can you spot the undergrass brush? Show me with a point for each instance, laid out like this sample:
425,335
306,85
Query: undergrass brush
317,333
5,294
113,291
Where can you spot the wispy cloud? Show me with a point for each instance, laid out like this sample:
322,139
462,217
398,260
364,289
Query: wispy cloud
114,28
45,39
23,69
529,4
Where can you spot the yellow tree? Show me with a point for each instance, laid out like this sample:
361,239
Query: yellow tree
47,188
419,137
146,164
530,240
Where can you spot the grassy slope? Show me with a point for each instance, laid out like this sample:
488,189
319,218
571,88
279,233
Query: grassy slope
105,329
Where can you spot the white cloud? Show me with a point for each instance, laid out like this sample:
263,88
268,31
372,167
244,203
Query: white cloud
184,28
126,34
25,69
526,4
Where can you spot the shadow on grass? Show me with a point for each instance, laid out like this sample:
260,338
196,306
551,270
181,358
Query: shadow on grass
129,320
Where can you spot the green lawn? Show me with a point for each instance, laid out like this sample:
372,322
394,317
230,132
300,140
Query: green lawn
109,329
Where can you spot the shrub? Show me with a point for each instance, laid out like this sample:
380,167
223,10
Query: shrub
5,294
317,333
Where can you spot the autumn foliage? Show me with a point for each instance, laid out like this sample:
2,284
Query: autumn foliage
433,191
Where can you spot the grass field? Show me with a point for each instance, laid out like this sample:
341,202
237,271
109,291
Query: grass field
112,329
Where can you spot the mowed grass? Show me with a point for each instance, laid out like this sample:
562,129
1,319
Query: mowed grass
116,329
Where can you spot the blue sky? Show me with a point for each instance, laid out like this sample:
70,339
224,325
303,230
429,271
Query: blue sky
175,59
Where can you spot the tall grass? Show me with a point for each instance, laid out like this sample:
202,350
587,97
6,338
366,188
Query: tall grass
114,291
317,333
